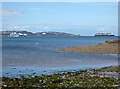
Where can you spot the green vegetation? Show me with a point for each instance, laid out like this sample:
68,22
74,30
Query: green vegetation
80,79
110,69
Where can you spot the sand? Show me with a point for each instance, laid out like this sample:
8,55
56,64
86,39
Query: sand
109,47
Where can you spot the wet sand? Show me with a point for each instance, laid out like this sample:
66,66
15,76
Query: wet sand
109,47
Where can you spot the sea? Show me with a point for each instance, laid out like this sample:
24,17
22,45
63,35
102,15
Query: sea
41,55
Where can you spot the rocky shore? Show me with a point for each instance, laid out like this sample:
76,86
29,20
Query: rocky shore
104,78
109,47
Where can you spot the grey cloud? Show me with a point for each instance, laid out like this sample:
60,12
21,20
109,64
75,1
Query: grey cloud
10,12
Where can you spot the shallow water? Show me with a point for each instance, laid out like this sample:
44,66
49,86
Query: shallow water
41,55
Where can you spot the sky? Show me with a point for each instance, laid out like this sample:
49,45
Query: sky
84,18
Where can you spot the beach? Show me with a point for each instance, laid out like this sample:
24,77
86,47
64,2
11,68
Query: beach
109,47
40,64
103,78
60,45
39,54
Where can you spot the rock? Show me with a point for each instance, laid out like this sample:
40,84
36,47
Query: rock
116,40
100,44
107,41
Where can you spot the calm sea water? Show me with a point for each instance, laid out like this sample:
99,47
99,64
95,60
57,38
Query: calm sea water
27,55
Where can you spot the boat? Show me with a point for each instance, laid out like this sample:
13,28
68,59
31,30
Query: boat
104,34
14,34
22,35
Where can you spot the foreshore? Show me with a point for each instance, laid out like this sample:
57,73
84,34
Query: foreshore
104,78
109,47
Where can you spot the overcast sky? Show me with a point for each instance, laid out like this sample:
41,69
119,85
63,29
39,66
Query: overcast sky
85,18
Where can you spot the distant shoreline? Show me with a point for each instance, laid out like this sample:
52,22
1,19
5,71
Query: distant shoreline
109,47
38,34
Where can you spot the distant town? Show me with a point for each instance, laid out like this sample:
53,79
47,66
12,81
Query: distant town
40,34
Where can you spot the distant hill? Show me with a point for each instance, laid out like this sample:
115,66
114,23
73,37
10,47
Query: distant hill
7,33
54,34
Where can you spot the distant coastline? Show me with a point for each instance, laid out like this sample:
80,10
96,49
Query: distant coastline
38,34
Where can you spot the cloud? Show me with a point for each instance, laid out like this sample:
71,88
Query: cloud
10,12
46,27
106,28
35,9
102,29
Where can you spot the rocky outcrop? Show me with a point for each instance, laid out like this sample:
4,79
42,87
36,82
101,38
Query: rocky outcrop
114,41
